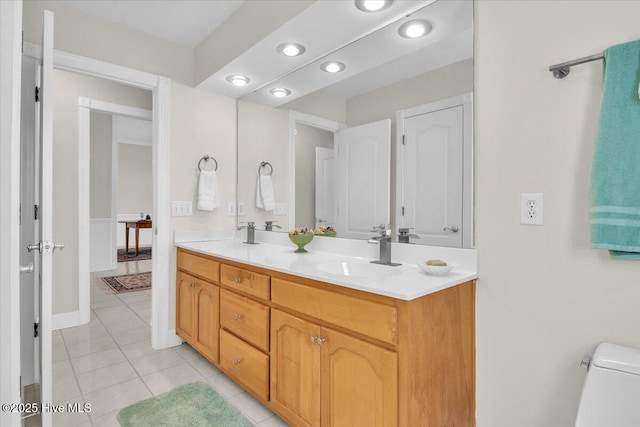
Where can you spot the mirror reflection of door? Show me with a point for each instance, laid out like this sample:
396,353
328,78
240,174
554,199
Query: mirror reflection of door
363,161
431,182
325,187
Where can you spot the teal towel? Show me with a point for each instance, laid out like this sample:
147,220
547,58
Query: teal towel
615,173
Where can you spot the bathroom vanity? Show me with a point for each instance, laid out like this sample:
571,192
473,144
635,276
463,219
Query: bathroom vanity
321,348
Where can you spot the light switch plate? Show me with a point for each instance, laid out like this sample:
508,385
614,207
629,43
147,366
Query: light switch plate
280,209
532,209
240,208
181,208
231,208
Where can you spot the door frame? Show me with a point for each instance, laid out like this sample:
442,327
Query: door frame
85,107
161,335
10,77
296,117
466,101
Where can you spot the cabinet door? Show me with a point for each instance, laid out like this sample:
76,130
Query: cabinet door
295,369
359,382
207,328
185,316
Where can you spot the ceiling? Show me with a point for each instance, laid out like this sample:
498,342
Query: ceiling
186,22
329,29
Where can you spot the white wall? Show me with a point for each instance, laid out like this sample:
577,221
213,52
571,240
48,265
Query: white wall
100,159
544,298
307,139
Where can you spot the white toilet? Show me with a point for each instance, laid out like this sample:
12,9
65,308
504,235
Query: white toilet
611,390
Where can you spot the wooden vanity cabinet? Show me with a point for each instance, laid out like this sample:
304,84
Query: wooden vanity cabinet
322,355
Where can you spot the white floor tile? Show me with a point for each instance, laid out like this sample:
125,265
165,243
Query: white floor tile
65,386
69,419
107,420
81,348
206,368
251,408
168,379
274,421
225,386
84,332
108,312
115,327
105,377
138,349
187,352
97,360
116,397
132,335
155,362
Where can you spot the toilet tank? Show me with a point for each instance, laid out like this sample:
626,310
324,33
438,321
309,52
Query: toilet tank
611,390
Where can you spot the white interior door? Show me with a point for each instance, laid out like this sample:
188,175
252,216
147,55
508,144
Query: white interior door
431,167
325,192
363,155
46,246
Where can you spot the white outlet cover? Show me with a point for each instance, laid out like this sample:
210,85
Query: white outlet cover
231,208
532,208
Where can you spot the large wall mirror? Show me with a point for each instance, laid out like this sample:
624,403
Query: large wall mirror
375,132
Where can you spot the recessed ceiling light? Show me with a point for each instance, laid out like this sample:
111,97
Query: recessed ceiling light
280,92
290,49
415,29
238,79
373,5
332,66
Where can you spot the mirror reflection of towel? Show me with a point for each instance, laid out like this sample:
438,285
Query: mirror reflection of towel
208,198
265,198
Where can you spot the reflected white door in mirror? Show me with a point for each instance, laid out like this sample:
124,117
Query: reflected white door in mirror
434,194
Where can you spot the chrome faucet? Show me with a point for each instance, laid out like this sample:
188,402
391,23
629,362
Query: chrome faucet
268,225
384,240
404,236
251,233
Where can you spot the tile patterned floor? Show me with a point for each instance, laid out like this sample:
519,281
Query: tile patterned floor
109,362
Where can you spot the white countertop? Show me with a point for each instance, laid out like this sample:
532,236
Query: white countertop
405,282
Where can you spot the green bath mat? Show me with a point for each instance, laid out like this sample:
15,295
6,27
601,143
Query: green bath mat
191,405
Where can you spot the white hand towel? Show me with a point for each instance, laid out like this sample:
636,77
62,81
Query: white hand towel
265,198
208,198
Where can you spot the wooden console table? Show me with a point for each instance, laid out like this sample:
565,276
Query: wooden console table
137,225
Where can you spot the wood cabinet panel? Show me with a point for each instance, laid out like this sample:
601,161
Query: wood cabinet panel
246,281
295,369
207,301
359,383
246,318
367,317
185,316
246,364
204,267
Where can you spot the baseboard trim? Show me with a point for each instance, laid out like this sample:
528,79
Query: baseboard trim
66,320
173,339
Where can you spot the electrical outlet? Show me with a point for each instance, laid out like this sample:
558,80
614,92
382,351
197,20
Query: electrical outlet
240,208
531,208
231,208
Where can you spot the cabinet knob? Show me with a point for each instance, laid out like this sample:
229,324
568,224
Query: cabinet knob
312,339
237,317
237,362
238,280
320,341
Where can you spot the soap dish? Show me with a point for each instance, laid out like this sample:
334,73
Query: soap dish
435,270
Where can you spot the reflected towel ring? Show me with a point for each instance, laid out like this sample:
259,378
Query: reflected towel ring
263,165
206,158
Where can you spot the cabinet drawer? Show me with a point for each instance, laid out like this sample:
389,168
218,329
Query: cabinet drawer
370,318
245,364
204,267
245,281
246,318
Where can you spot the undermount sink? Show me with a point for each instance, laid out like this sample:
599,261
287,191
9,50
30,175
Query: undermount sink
358,269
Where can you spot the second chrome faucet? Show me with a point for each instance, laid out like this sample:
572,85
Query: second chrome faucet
384,240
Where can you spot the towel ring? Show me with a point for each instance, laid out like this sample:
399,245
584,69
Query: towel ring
206,158
263,165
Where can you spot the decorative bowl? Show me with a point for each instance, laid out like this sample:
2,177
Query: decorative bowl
326,233
435,270
301,240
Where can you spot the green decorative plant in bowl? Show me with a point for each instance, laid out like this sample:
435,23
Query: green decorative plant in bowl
300,237
327,231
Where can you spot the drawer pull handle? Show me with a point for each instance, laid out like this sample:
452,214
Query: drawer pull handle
237,362
237,317
320,341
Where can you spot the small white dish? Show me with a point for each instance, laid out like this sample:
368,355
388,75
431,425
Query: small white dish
435,270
